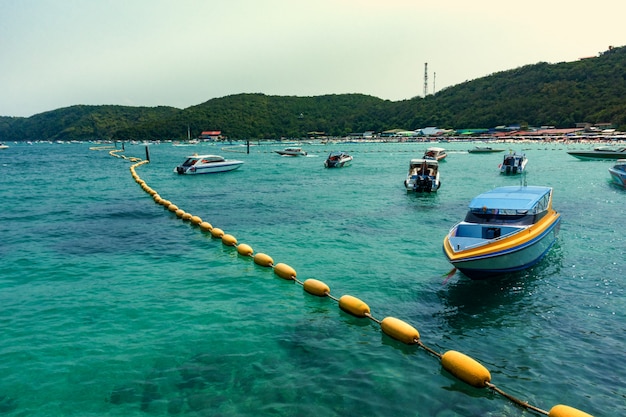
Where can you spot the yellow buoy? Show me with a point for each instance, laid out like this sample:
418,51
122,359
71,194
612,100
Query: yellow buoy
284,271
187,216
400,330
166,203
316,287
156,196
172,207
180,212
465,368
244,250
217,232
229,240
196,220
354,306
565,411
263,259
206,226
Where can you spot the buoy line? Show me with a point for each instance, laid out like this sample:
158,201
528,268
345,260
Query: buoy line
461,366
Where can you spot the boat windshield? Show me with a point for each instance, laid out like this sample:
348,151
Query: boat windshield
190,161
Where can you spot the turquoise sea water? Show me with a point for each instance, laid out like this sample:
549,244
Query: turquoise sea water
111,305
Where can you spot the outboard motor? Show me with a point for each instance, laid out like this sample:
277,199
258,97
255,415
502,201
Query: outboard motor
180,170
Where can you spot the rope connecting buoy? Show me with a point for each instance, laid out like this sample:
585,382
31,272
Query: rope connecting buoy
244,250
566,411
466,369
263,260
354,306
216,232
316,287
400,330
285,271
229,240
461,366
206,226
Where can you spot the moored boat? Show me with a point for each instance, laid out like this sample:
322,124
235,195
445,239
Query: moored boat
506,229
513,163
291,152
3,146
338,160
600,153
618,172
206,164
436,153
484,149
423,176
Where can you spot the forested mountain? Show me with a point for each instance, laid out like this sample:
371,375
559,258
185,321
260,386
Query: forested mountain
590,90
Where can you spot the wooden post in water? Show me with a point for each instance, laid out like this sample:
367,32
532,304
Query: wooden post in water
147,154
248,146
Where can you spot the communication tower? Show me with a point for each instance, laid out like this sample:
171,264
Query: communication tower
425,79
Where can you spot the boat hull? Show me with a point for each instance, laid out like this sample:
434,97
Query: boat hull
596,155
344,162
515,253
618,177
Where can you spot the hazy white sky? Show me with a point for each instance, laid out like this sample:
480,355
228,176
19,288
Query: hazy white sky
58,53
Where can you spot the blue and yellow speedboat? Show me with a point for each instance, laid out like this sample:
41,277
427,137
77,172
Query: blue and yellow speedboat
506,229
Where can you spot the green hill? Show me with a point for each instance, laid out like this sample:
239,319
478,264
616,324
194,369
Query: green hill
591,90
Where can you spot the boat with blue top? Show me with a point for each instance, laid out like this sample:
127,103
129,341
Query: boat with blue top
506,229
618,172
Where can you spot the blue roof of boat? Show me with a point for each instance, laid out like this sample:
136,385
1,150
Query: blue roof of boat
512,198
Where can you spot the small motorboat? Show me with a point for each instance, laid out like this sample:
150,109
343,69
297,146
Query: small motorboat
600,153
423,176
618,172
484,149
513,163
506,229
338,160
292,152
435,153
206,164
3,146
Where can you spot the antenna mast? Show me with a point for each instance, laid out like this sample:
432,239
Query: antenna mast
425,79
434,82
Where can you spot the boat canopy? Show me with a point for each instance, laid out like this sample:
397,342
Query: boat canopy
512,200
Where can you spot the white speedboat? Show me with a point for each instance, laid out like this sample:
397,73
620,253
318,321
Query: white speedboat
435,153
338,160
291,152
506,229
513,163
423,175
484,149
600,153
3,146
206,164
618,172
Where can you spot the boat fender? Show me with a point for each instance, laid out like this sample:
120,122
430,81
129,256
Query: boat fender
354,306
172,208
206,226
399,330
229,240
316,287
565,411
195,220
217,232
465,368
186,216
180,213
244,250
285,271
263,259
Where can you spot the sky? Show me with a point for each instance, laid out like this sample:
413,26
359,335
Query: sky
180,53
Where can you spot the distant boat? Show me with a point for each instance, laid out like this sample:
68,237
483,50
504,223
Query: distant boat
3,146
513,163
506,229
206,164
600,153
484,149
438,154
338,160
423,176
291,152
618,172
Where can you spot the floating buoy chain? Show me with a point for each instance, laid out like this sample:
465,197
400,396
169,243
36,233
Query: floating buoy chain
456,363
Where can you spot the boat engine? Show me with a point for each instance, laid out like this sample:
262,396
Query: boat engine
180,170
422,184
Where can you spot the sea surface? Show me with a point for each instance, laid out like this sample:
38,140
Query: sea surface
113,306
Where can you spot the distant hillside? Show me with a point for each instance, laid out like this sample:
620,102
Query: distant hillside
591,90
